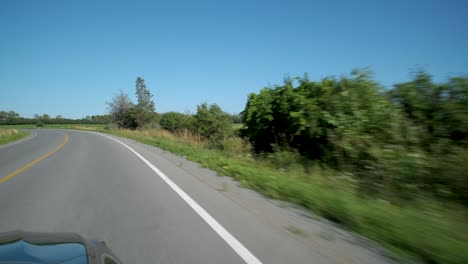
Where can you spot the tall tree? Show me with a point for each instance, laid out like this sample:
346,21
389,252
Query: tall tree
145,109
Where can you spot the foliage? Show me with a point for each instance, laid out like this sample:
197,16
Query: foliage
440,113
145,109
118,108
127,115
236,118
212,123
236,145
176,122
322,120
8,115
393,148
130,118
439,109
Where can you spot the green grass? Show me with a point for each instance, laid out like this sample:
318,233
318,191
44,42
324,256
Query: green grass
17,126
424,229
11,135
237,126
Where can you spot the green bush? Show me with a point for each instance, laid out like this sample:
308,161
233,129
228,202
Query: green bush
213,124
176,122
130,118
397,144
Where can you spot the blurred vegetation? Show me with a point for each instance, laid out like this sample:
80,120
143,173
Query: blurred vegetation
397,144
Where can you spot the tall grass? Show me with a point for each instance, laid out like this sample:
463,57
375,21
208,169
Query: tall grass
8,132
10,135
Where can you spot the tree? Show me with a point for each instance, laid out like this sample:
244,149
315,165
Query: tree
438,109
145,108
236,118
8,116
130,118
100,119
118,108
212,123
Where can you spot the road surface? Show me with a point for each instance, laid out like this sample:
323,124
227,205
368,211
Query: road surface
154,207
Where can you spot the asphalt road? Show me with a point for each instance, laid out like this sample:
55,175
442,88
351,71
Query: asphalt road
153,207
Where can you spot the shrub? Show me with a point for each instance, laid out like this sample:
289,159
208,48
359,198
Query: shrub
130,118
213,124
176,122
398,144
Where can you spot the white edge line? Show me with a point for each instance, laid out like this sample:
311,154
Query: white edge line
240,249
33,134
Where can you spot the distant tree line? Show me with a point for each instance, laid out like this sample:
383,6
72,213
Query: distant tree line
13,118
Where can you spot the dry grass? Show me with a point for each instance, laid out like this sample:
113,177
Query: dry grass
83,128
9,135
185,136
8,132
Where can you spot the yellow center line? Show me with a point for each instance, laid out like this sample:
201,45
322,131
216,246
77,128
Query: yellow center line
16,172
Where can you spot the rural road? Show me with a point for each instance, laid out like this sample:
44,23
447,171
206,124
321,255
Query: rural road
75,181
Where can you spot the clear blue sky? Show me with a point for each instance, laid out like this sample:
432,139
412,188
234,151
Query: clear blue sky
70,57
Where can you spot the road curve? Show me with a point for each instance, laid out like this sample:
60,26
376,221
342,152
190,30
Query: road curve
73,181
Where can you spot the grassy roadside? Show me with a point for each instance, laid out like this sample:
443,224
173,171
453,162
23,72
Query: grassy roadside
11,135
424,229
